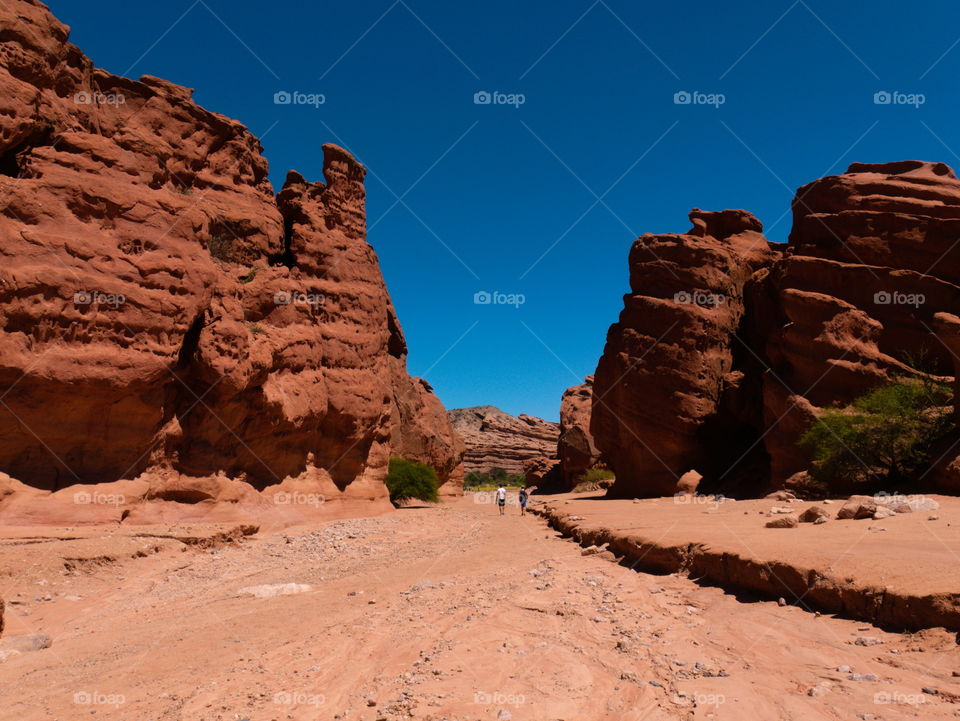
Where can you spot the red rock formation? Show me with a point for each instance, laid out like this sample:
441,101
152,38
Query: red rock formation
850,304
869,265
946,469
670,359
495,439
421,430
542,473
903,215
164,316
576,448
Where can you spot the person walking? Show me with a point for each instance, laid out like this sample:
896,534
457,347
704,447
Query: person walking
502,499
523,501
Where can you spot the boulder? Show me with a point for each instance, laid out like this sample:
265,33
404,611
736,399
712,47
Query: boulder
687,483
858,507
542,473
576,448
813,513
782,522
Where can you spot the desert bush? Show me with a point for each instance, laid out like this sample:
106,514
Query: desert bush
595,475
409,479
883,437
593,479
492,479
221,247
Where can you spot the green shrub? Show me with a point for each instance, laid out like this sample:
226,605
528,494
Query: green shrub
593,479
221,247
409,479
883,437
595,475
493,478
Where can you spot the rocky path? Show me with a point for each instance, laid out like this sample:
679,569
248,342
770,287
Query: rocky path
433,613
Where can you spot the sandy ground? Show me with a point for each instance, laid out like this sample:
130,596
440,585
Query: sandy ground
432,613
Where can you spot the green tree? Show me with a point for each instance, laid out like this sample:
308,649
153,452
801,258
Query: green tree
498,474
409,479
885,436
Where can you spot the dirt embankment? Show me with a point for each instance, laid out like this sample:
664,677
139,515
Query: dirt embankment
899,572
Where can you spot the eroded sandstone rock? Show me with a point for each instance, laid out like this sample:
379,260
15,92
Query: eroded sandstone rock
862,294
165,317
672,358
495,439
576,448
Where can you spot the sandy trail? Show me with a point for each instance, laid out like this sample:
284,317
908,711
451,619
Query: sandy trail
432,613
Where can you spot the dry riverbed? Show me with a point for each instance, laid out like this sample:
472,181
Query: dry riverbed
430,613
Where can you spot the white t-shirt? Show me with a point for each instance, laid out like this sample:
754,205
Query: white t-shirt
501,494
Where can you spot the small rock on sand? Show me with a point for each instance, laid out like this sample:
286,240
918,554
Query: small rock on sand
13,645
813,513
782,522
857,507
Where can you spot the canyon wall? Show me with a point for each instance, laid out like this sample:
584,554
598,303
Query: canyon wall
165,318
495,439
728,347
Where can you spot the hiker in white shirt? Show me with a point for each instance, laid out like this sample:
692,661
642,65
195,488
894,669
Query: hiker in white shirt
501,499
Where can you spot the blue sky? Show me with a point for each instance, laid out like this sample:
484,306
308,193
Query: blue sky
544,199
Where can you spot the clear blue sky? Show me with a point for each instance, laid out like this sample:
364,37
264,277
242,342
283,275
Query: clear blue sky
503,198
